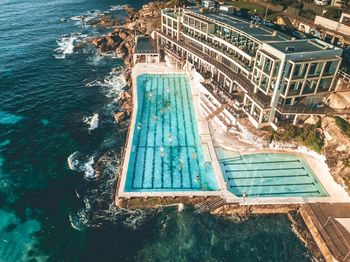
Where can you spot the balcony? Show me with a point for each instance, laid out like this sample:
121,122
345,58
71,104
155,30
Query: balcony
311,110
221,49
260,98
235,42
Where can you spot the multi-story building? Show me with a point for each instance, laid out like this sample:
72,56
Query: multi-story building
266,74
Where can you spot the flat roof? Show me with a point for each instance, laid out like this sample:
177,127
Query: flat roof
145,44
261,33
301,46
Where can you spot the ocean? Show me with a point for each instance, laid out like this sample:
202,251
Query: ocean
56,120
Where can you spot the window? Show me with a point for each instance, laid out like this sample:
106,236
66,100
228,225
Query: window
312,70
276,69
267,65
324,84
330,67
297,69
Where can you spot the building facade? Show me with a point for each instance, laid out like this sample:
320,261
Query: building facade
253,70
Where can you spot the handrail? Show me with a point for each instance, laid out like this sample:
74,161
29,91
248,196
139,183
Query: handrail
241,80
299,109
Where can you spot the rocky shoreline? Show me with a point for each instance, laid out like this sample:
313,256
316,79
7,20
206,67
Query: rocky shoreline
120,42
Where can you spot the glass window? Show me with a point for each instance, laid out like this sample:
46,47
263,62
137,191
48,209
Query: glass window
297,69
276,69
312,70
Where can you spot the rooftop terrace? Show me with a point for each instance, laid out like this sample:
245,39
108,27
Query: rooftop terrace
261,33
302,46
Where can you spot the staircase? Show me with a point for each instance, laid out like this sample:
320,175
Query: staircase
211,205
216,112
288,22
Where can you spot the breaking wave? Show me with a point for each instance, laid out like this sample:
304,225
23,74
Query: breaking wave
81,163
117,7
66,44
83,20
113,83
92,121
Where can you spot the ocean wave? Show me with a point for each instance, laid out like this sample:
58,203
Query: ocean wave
81,20
80,163
114,83
66,44
78,220
92,121
117,7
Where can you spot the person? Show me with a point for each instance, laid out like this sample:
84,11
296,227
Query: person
196,179
194,155
139,126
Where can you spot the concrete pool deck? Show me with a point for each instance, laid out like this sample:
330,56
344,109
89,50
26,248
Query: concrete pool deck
209,140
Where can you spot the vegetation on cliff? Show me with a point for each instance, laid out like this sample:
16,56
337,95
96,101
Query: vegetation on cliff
343,125
308,135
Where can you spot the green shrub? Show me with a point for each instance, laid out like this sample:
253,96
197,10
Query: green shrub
307,135
343,125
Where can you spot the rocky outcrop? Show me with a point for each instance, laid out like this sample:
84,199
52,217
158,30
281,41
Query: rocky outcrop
337,152
119,117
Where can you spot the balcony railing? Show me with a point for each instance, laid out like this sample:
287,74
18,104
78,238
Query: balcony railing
231,54
260,98
312,110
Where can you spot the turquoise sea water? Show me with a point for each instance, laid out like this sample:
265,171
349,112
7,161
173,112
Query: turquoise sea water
269,175
50,93
166,153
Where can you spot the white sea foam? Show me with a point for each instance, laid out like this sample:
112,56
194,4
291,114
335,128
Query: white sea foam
81,20
113,83
116,7
78,220
66,44
83,164
92,121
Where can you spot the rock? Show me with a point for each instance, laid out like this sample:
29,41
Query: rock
128,62
129,83
123,35
99,41
104,47
312,120
127,106
129,9
121,52
125,96
119,116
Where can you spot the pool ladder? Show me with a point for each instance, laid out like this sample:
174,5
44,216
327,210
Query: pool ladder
208,206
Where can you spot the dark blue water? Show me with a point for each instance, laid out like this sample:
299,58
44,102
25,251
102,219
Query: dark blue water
49,211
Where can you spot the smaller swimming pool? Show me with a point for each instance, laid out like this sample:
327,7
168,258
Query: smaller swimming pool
268,175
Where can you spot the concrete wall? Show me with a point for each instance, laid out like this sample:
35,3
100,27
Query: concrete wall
332,25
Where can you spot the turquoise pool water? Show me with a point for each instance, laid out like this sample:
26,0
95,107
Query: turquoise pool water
269,175
166,153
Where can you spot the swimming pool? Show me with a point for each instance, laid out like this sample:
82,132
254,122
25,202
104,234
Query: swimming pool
268,175
166,153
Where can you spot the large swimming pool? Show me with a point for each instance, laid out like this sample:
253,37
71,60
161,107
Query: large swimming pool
268,175
166,153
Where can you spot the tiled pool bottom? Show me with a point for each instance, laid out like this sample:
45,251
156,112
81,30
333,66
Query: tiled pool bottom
269,175
166,153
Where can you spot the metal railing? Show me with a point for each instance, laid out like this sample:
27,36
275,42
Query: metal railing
307,110
261,99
